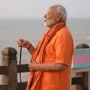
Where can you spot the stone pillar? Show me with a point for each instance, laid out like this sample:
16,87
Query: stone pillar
10,60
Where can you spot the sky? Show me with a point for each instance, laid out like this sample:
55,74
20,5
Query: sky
37,8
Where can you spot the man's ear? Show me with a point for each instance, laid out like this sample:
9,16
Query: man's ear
58,18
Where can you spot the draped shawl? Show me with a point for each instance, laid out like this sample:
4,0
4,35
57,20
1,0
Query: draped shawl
34,79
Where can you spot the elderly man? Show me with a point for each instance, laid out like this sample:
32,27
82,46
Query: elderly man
50,64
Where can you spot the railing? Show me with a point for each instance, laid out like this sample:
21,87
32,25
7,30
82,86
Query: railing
9,70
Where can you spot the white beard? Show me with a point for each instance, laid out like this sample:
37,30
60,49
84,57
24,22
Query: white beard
49,23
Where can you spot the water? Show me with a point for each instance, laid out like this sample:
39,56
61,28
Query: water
32,29
13,29
80,29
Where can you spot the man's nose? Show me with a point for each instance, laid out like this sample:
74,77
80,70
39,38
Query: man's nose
45,15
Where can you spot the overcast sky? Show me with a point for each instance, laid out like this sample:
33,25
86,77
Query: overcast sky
37,8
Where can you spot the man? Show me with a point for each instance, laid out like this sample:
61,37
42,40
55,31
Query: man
50,64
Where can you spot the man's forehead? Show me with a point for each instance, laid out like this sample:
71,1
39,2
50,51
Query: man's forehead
51,9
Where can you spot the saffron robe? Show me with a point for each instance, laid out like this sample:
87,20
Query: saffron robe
55,46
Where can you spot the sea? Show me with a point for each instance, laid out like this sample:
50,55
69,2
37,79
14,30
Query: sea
32,30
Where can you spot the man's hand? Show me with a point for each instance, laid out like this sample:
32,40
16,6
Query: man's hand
33,66
23,43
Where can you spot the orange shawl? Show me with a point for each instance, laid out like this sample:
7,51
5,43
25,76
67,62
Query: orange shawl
34,79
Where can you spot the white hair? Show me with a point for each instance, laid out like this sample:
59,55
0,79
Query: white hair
62,11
